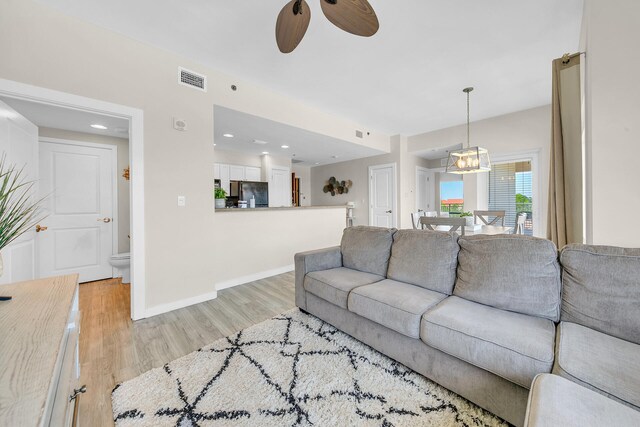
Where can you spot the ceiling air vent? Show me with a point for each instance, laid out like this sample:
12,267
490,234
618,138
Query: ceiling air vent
294,161
191,79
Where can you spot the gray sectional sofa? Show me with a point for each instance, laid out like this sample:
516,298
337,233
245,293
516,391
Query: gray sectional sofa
479,314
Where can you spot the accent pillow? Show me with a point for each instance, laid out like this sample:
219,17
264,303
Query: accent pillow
601,289
425,258
511,272
367,248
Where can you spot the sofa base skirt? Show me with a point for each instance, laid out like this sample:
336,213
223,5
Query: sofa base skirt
491,392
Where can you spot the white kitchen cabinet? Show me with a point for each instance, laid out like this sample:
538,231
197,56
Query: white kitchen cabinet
236,173
227,173
252,173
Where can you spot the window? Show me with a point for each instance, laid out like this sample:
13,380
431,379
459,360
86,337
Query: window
511,190
451,197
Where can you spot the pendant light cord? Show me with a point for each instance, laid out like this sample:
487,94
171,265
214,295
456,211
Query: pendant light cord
468,126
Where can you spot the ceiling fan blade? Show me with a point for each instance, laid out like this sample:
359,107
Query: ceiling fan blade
292,24
353,16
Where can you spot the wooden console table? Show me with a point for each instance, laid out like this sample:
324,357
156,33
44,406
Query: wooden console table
39,367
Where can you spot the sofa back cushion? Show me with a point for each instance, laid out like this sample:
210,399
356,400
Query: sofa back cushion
511,272
367,249
425,258
601,289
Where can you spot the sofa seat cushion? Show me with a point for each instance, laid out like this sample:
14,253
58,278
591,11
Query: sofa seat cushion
367,248
555,401
514,346
396,305
425,258
606,364
335,284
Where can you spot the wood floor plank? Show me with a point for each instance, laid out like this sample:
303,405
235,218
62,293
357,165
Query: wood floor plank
114,349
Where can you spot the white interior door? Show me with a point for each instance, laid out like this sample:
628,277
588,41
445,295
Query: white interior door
382,196
19,143
280,187
424,191
80,226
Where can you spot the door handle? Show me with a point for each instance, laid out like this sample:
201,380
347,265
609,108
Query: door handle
389,211
104,219
40,228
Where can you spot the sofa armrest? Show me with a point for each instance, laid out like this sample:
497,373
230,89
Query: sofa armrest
306,262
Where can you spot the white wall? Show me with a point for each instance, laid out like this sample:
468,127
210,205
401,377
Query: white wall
122,163
611,36
510,134
185,256
358,172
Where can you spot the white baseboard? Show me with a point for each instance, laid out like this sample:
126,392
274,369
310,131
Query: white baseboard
253,277
165,308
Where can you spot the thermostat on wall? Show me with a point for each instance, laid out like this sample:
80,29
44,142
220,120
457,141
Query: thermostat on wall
179,124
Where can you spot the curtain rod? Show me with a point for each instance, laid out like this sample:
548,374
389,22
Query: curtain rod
566,58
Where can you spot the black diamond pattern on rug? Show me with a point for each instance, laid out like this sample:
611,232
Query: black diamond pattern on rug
292,370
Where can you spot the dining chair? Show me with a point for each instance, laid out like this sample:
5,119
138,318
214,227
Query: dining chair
430,223
432,214
484,217
520,220
415,219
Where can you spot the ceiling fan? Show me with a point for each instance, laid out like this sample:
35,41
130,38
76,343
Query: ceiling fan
353,16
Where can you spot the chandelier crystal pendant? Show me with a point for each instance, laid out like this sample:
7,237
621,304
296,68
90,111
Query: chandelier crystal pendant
469,159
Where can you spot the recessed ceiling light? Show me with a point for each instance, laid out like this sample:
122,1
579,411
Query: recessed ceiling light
265,152
284,146
317,163
228,135
97,126
215,145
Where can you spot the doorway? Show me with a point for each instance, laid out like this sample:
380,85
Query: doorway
382,196
134,118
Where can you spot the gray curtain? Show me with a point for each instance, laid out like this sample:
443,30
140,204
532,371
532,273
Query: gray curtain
565,216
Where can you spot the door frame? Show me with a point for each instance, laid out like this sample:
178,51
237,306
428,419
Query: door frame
114,181
394,196
534,156
135,116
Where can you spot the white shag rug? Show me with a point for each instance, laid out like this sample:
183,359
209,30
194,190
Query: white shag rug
292,370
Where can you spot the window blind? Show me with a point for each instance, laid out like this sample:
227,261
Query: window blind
510,190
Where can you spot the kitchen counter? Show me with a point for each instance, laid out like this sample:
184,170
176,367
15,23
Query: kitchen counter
283,208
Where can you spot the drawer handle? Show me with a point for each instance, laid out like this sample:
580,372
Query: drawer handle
77,392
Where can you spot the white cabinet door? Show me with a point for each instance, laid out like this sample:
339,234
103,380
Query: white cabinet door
79,238
216,171
252,173
236,173
19,142
224,178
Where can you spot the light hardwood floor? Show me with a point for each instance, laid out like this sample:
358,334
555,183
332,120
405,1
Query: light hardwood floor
114,349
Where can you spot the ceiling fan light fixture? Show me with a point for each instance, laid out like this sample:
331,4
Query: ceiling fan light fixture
469,159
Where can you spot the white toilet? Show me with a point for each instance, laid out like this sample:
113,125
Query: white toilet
122,264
